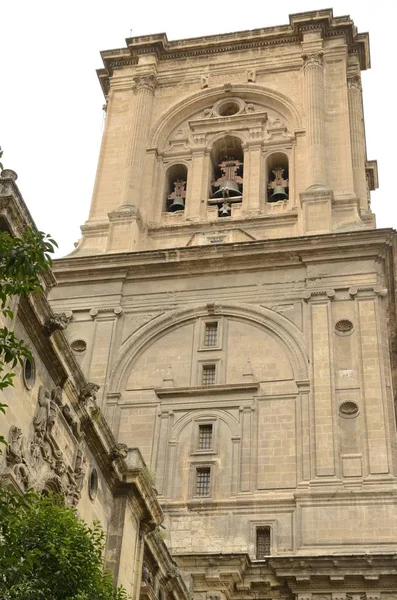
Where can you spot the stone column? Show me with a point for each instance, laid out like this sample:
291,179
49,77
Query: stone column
313,66
252,176
197,184
323,391
246,441
357,133
145,85
105,326
162,451
304,436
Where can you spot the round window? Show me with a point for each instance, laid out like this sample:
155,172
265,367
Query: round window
228,108
29,373
93,484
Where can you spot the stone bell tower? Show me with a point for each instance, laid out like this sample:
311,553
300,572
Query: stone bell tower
235,304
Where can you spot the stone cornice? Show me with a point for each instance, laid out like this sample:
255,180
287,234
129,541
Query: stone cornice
275,252
159,46
209,390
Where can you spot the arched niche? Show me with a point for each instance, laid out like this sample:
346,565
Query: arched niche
277,176
176,177
287,335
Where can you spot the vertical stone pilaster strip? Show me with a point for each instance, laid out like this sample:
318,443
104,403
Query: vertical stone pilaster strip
304,433
246,463
235,464
357,136
196,185
313,67
162,453
145,86
372,388
252,177
322,390
105,324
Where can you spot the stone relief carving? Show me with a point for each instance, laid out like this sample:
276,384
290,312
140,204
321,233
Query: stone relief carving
88,394
58,322
118,451
53,459
15,456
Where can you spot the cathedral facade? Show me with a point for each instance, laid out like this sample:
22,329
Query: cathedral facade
233,303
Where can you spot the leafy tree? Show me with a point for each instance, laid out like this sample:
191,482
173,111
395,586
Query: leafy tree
48,553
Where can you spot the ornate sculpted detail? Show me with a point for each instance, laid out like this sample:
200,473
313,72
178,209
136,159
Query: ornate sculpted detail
15,456
88,394
329,293
204,80
348,409
354,82
145,82
44,419
79,346
58,322
118,451
344,326
314,60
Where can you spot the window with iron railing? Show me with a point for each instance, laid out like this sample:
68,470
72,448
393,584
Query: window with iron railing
203,480
262,542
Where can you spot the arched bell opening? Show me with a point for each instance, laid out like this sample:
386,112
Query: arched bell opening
175,188
227,158
277,177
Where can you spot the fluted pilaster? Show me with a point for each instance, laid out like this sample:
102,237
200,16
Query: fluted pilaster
145,86
314,98
357,137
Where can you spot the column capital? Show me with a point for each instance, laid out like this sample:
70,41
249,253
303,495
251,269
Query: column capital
146,81
354,82
313,60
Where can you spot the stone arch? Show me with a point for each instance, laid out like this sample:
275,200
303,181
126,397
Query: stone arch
284,330
207,413
249,92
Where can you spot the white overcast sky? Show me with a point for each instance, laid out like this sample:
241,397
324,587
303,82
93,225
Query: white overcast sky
51,116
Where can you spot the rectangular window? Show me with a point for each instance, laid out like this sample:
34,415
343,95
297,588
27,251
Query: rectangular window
262,542
205,437
211,334
208,375
203,475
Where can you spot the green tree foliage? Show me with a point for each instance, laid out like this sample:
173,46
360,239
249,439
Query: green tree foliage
48,553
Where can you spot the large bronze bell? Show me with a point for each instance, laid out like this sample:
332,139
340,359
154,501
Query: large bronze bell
177,204
278,194
227,189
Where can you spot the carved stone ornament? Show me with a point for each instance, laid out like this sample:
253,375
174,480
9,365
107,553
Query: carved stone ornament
348,409
354,83
15,456
44,419
58,322
344,327
313,61
118,451
88,393
145,82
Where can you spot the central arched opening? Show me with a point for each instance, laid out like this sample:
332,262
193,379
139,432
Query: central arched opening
227,163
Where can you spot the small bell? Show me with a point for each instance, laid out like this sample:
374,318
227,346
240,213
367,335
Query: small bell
278,194
278,185
177,204
225,210
227,189
177,196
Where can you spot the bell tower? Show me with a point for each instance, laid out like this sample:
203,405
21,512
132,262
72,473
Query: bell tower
256,134
235,303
